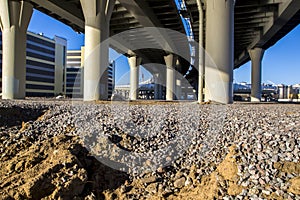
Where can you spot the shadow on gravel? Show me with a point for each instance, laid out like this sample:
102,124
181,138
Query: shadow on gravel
14,116
100,177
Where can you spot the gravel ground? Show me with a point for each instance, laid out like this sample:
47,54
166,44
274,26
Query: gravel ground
74,150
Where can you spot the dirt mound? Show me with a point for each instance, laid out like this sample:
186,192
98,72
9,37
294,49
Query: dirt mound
56,168
42,158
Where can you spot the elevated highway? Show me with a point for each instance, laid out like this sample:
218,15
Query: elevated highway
129,15
126,15
257,23
232,32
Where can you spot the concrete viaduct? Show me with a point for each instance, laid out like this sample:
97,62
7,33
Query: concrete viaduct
232,32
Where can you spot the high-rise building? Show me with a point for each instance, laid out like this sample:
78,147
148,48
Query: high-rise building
111,78
45,63
74,74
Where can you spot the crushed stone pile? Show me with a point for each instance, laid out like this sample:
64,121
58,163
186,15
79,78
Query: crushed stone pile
75,150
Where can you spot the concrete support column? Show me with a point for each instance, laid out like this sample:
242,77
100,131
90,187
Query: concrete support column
256,56
156,86
134,63
178,88
97,15
201,58
219,45
14,19
170,78
178,81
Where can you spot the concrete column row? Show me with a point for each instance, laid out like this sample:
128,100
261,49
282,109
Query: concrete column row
173,83
15,17
97,15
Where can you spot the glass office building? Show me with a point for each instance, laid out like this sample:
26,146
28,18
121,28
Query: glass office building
45,64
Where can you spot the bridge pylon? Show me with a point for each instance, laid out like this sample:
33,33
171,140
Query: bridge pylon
14,20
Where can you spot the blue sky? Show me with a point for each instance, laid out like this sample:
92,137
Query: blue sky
281,62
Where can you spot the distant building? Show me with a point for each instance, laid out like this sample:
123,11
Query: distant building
288,92
242,92
111,78
270,92
146,90
73,86
45,63
282,91
296,88
74,74
122,91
